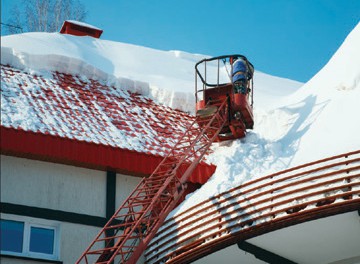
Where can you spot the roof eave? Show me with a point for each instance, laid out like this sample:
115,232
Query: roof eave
38,146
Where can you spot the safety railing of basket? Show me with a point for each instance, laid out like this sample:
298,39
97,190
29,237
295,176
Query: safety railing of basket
295,195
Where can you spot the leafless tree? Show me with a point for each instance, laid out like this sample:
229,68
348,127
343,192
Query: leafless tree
14,23
44,15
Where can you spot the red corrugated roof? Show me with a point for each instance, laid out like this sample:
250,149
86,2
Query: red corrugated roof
84,122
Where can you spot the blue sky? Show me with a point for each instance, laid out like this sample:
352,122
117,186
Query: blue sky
287,38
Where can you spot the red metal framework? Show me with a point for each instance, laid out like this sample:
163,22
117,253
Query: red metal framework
311,191
134,224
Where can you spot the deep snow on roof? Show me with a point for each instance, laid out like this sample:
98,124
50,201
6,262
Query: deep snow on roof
165,76
292,126
87,110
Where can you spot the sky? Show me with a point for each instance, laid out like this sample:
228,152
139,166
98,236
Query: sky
287,38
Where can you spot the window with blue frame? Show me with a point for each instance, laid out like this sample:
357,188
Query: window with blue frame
42,240
26,238
12,236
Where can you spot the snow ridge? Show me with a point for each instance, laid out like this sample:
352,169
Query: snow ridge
167,77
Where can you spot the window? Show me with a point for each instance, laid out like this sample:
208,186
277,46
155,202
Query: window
11,235
42,240
30,237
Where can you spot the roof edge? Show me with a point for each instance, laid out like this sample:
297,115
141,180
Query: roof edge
45,147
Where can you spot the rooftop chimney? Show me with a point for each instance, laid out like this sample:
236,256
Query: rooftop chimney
77,28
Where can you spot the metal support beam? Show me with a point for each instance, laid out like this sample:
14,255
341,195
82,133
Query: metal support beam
263,254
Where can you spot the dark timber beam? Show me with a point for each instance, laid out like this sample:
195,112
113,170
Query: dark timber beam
263,254
110,200
110,193
50,214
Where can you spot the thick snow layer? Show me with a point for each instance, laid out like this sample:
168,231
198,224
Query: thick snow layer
99,114
165,76
294,124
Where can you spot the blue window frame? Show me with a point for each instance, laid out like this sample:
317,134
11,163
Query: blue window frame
30,238
12,236
42,240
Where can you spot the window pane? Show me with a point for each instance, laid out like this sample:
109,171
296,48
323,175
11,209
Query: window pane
42,240
11,236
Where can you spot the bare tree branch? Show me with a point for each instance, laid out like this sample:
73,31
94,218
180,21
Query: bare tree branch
45,15
14,23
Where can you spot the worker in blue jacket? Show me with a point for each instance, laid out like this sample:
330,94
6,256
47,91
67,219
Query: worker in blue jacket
242,72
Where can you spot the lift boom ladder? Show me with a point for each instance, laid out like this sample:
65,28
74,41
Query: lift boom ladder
126,235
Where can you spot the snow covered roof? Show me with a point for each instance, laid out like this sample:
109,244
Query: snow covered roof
138,76
167,77
294,123
86,110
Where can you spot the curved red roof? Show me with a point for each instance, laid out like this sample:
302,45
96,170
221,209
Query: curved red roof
311,191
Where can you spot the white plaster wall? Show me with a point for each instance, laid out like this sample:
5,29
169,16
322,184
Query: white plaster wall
72,246
124,187
54,186
75,239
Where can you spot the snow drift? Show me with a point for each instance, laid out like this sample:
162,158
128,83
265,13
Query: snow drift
165,76
318,120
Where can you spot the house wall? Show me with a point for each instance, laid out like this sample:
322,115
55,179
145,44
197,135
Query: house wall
124,186
53,186
72,198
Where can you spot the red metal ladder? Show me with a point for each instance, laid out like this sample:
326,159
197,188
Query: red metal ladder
126,235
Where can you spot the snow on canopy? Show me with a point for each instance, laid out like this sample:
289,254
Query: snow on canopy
294,123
